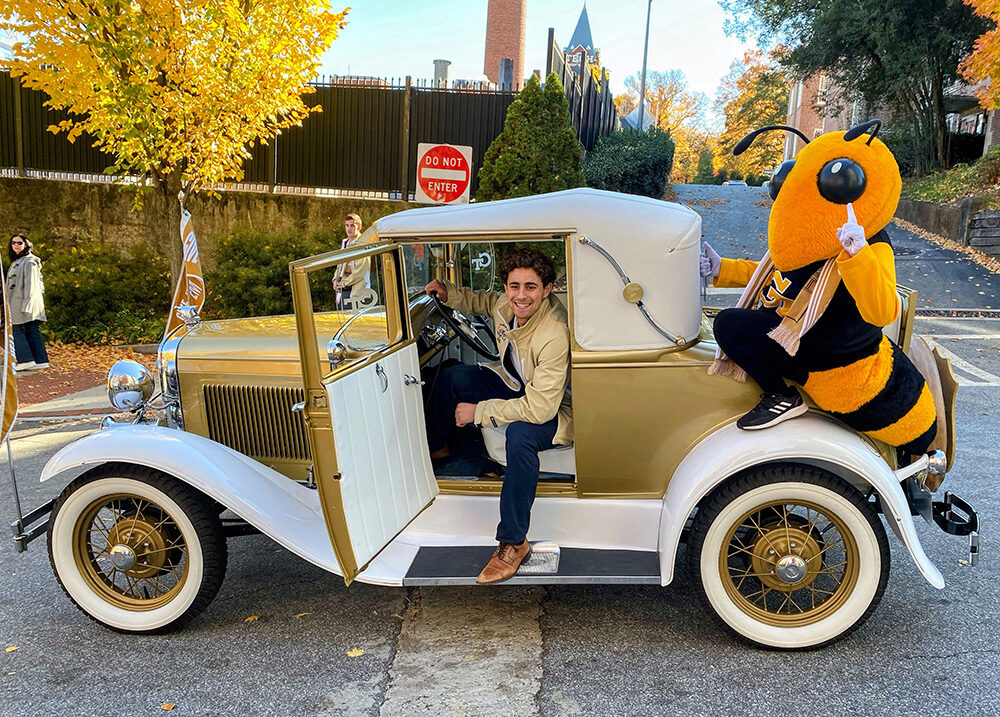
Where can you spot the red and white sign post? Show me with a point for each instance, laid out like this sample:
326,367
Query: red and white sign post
444,173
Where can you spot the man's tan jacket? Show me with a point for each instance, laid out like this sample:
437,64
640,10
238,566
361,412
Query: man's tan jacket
353,272
541,349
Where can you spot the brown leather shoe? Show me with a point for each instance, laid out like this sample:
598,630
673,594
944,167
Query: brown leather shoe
506,560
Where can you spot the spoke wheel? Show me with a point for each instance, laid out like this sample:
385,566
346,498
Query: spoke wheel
788,557
130,551
135,549
794,570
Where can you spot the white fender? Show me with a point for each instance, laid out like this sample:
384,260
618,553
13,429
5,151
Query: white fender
286,511
811,439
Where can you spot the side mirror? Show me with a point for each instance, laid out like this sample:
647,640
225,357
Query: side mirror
336,353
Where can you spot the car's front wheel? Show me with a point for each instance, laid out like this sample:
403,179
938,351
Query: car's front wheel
135,549
789,557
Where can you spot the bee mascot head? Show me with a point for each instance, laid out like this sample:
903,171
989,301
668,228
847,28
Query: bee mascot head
811,192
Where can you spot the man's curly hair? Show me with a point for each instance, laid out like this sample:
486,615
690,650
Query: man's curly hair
529,259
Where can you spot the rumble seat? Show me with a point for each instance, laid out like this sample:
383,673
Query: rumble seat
561,459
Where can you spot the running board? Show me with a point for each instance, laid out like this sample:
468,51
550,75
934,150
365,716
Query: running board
576,566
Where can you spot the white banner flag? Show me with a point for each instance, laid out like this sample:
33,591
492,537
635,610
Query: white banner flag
190,289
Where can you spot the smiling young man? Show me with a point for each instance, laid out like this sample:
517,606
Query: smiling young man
525,390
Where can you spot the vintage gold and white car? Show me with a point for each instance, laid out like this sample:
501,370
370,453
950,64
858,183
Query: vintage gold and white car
310,429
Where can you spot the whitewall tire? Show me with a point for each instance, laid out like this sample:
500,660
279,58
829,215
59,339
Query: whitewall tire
135,549
789,557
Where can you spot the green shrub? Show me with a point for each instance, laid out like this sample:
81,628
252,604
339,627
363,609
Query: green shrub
101,293
632,161
250,277
704,174
959,181
537,150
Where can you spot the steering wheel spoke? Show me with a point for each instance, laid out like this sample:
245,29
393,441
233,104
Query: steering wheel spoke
464,328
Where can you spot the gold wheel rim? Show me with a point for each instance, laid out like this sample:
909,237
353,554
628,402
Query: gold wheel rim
151,552
789,563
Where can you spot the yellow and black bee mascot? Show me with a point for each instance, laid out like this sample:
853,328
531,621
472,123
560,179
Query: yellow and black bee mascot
815,304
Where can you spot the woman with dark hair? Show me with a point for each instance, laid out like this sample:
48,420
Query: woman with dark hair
25,296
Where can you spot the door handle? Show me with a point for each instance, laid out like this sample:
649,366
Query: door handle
380,372
299,407
409,380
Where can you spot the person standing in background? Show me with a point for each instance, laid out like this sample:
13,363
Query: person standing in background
352,273
25,294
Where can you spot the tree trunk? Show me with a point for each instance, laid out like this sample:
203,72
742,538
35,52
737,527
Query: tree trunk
168,231
937,89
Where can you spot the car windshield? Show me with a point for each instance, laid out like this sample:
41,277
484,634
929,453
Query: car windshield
478,261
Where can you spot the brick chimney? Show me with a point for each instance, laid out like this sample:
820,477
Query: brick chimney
505,22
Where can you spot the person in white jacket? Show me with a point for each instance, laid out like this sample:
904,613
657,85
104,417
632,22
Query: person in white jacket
25,296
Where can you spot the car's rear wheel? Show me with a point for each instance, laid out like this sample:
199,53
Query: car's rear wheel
135,549
789,557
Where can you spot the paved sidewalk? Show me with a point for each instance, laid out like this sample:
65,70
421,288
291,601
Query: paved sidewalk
91,401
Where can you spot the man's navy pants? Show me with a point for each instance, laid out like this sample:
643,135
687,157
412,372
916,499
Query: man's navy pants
472,384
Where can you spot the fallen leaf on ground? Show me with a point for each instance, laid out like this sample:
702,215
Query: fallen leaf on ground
252,618
355,652
168,706
302,614
12,648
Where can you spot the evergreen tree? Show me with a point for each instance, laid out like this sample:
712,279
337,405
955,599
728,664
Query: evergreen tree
703,174
537,150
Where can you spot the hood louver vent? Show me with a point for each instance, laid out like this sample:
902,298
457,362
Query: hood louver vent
257,421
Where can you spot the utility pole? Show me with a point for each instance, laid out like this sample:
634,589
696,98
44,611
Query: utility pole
645,54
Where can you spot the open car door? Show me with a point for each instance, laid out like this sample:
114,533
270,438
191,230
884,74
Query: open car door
364,405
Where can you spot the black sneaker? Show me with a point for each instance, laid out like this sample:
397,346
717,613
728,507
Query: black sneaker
772,410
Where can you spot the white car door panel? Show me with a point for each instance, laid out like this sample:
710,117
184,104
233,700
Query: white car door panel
381,445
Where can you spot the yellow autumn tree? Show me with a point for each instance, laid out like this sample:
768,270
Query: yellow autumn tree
676,109
753,94
175,90
984,62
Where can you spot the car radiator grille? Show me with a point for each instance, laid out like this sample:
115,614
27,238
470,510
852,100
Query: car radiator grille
257,421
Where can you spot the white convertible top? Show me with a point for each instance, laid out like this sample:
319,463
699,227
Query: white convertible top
655,243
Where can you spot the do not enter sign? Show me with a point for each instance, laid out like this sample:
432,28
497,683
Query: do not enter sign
444,173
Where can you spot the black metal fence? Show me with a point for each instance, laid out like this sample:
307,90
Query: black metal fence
591,105
363,141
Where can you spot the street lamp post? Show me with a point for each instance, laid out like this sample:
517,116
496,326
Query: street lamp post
645,53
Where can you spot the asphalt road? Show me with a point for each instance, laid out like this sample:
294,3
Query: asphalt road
510,650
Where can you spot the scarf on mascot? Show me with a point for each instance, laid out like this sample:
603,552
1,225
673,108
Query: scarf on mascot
803,314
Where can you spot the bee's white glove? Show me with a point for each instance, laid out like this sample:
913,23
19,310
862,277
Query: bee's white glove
710,262
851,234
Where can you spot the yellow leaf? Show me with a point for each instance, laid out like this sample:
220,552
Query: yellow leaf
302,614
168,706
252,618
12,648
355,652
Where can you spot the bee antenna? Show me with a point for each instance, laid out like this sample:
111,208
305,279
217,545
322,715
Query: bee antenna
745,143
854,132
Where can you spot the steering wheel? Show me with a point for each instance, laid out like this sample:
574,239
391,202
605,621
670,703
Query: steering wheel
463,328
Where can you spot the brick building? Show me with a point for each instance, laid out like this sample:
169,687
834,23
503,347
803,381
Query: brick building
815,106
505,25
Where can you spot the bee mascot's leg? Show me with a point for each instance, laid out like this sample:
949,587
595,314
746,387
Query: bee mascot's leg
742,335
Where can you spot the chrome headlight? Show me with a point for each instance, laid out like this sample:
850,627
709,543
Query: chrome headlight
170,380
130,384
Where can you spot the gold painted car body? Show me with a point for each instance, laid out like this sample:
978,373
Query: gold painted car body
637,413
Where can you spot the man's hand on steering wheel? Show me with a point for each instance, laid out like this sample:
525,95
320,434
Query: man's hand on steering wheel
458,322
439,287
